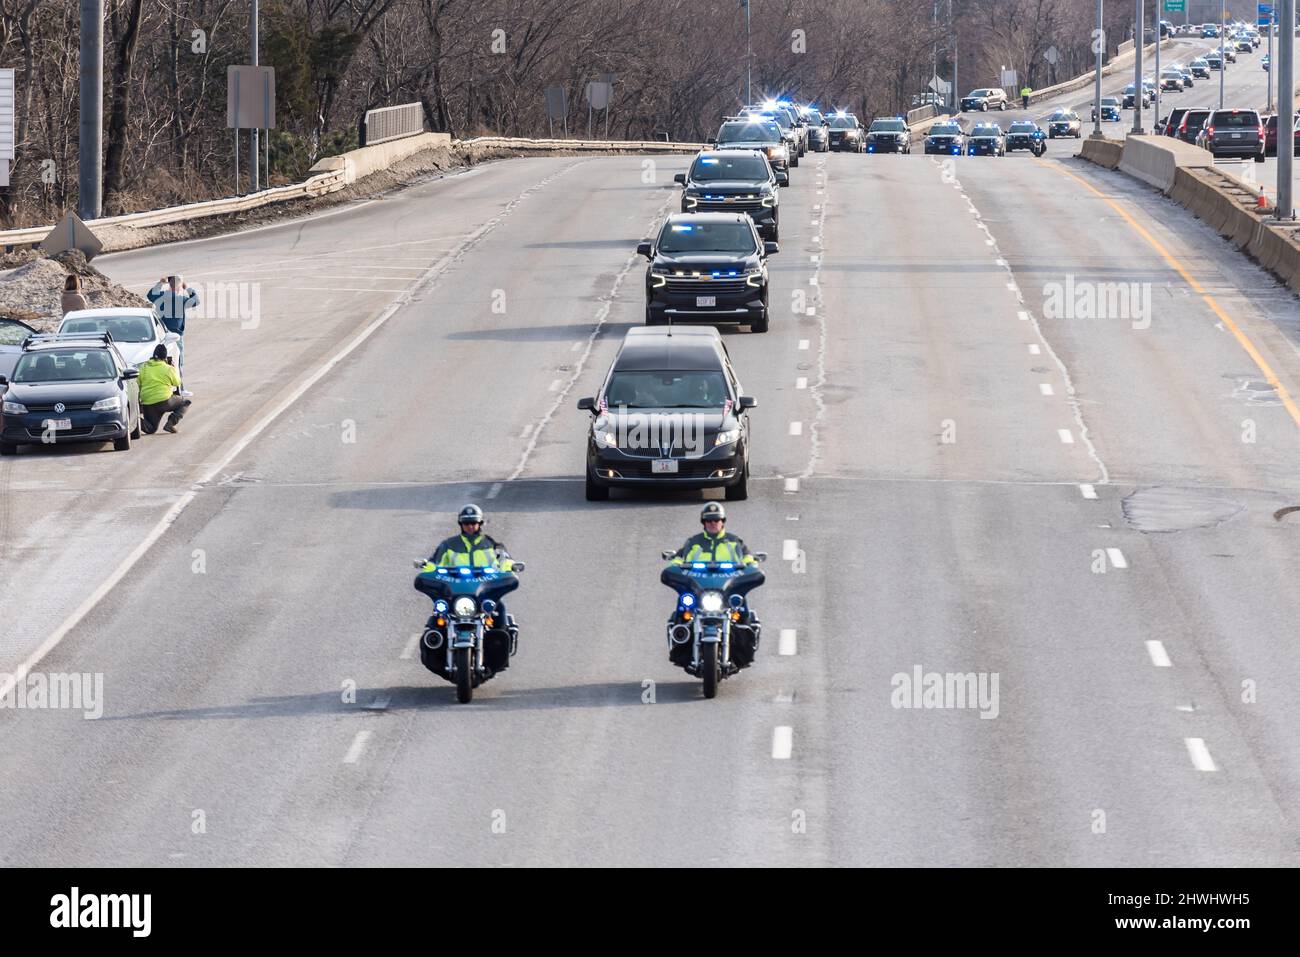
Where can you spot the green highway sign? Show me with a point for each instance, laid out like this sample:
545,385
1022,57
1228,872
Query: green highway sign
1175,6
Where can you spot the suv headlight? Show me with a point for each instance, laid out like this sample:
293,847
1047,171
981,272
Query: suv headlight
754,278
689,201
658,279
768,199
14,408
111,404
464,606
604,439
726,437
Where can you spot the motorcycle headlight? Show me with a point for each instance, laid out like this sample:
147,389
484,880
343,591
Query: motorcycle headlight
727,436
754,278
463,606
111,404
711,601
15,408
604,439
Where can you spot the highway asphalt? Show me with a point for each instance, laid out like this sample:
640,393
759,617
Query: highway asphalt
972,469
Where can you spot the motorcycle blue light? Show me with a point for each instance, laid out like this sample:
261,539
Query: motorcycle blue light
440,607
699,565
688,601
726,565
466,571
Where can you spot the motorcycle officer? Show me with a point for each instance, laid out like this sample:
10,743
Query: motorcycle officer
714,544
474,548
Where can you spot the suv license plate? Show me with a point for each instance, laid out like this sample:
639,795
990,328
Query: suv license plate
702,301
56,424
1236,136
660,466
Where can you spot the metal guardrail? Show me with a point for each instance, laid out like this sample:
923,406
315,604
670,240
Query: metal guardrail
525,143
393,122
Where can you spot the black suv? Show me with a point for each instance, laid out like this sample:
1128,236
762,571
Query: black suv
845,133
889,135
707,266
69,388
670,413
733,181
755,133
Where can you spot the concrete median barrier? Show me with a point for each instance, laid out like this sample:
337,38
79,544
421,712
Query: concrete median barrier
1155,159
356,164
1103,152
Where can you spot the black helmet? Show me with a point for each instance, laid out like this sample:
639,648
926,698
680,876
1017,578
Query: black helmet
470,513
713,511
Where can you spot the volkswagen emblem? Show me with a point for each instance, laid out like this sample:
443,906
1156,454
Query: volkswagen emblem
60,407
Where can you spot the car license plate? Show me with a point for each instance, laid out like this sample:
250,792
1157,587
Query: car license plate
1236,136
702,301
660,466
56,424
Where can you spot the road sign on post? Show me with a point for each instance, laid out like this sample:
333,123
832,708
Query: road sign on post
1263,14
1009,78
6,124
1175,6
72,233
940,86
1051,55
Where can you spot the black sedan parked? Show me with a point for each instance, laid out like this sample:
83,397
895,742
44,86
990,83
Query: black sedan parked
69,389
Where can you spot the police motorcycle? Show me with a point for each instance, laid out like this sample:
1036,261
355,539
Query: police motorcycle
467,640
713,632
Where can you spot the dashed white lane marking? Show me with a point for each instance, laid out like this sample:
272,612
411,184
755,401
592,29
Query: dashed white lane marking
358,745
1066,436
554,386
812,280
1184,707
1024,316
816,239
1045,388
988,242
782,742
792,485
811,311
409,651
803,344
789,550
1012,286
495,490
796,428
1088,491
575,347
816,258
1116,558
788,642
801,383
1159,657
1001,262
1196,748
784,697
523,433
1034,350
816,207
813,223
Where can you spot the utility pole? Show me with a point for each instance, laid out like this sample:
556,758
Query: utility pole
1139,37
1099,43
1272,25
253,174
1223,47
956,89
749,58
1155,125
1285,109
90,141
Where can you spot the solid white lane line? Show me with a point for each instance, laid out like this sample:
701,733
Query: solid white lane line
1065,436
801,383
1200,754
1159,657
1088,491
495,490
782,742
803,344
409,651
358,745
789,550
796,428
1116,558
788,642
1045,388
792,485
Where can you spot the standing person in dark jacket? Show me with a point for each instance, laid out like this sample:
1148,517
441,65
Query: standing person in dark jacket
172,299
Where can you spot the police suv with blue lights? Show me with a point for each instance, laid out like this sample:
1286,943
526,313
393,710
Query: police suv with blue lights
734,181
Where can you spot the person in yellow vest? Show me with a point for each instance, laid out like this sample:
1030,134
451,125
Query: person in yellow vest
474,549
715,543
159,385
1025,93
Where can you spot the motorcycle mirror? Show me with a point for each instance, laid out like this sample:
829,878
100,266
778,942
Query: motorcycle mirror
418,563
667,554
759,556
517,566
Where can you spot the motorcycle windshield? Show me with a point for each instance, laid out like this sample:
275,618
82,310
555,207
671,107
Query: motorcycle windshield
697,577
478,583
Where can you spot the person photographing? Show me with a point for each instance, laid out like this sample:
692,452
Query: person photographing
160,385
172,299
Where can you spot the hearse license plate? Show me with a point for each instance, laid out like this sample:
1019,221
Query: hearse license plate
703,301
660,466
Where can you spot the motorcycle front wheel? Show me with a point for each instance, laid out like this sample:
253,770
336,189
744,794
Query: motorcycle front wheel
464,675
709,668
